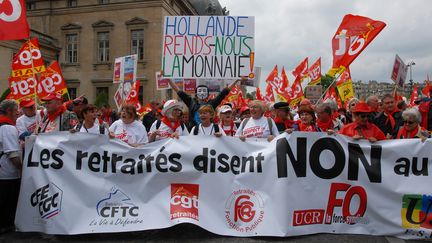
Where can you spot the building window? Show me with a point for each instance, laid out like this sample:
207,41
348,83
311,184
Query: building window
71,48
72,93
100,90
31,5
103,1
103,46
72,3
137,43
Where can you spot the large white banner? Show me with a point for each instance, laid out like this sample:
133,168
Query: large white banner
298,184
208,47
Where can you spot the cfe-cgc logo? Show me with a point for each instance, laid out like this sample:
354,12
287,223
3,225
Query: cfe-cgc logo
244,210
346,205
184,201
116,209
416,215
47,199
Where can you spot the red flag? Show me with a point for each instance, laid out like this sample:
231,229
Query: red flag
13,20
296,92
302,69
28,54
396,95
425,90
22,87
352,37
284,82
414,95
51,81
132,98
233,96
258,94
331,94
272,80
315,72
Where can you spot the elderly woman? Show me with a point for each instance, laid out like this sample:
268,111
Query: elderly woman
207,127
89,113
128,128
257,126
361,128
307,122
349,114
169,126
411,128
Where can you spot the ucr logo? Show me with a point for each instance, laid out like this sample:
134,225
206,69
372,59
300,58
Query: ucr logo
15,14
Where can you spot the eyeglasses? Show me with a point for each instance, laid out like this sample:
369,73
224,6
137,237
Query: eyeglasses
409,122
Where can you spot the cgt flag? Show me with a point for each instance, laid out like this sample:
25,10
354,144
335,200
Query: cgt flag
13,20
301,70
351,38
315,72
345,87
28,59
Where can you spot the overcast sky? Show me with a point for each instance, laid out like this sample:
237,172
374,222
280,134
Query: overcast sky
287,31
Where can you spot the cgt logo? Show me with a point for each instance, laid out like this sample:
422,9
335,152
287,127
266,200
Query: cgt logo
244,210
416,211
117,204
48,200
184,201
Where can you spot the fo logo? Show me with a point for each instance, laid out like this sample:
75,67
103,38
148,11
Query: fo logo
244,210
184,201
116,204
416,211
48,200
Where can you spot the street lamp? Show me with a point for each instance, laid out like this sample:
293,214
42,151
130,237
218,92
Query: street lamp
410,64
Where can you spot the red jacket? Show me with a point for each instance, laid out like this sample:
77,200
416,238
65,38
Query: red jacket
424,111
370,130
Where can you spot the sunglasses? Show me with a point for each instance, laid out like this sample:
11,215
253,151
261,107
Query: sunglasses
409,122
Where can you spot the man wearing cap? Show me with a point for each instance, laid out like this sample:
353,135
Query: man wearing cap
57,118
283,119
10,164
361,128
169,126
202,98
26,123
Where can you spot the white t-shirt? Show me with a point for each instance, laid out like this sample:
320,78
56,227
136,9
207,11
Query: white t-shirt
8,143
257,128
206,130
165,131
95,129
134,132
25,123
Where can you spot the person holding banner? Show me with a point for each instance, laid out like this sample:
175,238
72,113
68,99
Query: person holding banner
325,120
10,164
169,126
283,118
411,128
57,117
307,121
202,98
128,128
257,126
89,113
361,128
227,120
26,123
207,127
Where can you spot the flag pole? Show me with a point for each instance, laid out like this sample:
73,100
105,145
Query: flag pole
331,84
34,88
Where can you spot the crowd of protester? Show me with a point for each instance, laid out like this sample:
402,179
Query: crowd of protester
377,118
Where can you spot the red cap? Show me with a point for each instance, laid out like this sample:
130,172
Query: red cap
362,107
27,102
243,109
53,96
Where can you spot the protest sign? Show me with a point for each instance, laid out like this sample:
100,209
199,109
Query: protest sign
208,47
125,69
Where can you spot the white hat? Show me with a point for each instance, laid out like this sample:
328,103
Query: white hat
225,108
170,104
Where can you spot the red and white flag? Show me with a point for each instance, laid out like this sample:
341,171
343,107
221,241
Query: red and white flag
301,70
296,92
13,20
272,80
315,72
351,38
51,81
28,54
425,90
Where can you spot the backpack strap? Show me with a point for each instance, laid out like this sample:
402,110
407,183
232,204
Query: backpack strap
78,126
158,123
182,126
245,121
270,124
195,128
101,129
1,124
216,127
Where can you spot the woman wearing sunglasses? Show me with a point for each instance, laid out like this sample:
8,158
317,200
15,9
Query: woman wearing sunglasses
361,128
411,128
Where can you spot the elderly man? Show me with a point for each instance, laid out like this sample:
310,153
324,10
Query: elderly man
57,118
390,119
257,126
373,103
361,128
324,118
283,117
26,124
10,164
